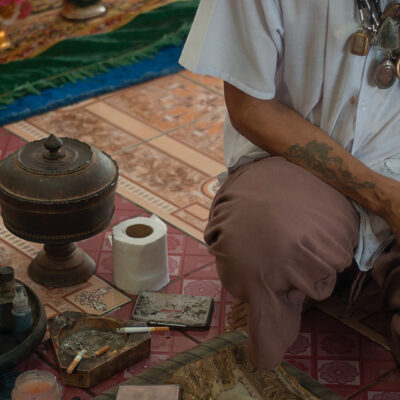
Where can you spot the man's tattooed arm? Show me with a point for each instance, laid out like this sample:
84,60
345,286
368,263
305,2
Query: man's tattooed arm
315,157
281,131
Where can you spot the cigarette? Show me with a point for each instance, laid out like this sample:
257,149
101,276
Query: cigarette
112,353
142,329
102,350
75,361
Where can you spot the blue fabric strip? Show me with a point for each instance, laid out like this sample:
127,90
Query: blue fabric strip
163,63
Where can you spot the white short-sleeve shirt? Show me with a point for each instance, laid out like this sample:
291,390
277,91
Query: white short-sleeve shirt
297,52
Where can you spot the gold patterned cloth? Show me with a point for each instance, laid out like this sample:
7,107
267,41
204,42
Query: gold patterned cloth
45,26
229,376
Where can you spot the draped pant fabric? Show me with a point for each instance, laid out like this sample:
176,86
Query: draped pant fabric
279,234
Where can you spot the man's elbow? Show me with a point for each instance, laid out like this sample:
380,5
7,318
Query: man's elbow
235,101
242,108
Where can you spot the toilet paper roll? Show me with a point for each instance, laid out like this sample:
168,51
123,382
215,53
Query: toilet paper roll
140,254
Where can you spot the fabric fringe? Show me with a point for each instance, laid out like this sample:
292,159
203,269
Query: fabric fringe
92,70
137,37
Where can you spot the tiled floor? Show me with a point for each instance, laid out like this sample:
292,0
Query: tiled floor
166,136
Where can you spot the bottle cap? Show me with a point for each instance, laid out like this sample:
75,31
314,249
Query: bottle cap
6,274
20,301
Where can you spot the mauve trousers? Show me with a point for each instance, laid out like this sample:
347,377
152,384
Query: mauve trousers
279,234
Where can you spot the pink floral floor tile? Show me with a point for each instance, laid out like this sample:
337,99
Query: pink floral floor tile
9,143
203,287
343,346
174,287
339,372
176,243
301,347
338,357
174,266
195,248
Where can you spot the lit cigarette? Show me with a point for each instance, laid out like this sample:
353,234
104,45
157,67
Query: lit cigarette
112,353
142,329
75,361
102,350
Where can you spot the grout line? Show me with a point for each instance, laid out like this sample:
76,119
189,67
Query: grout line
201,84
128,148
198,269
190,337
366,387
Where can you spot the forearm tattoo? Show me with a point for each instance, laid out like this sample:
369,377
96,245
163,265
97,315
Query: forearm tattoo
315,156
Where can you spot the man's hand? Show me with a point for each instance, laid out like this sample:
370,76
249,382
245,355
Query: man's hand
283,132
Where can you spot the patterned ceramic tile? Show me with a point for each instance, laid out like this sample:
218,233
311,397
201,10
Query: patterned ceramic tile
9,143
386,389
166,185
337,356
370,325
198,267
202,287
204,136
302,345
164,176
167,103
195,247
81,124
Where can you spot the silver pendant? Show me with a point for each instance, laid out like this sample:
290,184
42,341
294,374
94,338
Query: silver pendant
385,74
388,37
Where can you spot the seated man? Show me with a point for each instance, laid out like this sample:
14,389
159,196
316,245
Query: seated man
312,147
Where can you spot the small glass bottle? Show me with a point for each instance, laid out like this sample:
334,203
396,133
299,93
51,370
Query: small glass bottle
36,385
22,313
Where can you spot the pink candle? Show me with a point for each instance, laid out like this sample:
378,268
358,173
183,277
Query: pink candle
36,385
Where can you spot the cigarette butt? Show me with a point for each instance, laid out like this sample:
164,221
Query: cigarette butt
102,350
75,362
112,353
142,329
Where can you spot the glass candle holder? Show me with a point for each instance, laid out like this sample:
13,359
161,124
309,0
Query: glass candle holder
36,385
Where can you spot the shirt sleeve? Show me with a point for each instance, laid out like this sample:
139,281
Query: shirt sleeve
239,41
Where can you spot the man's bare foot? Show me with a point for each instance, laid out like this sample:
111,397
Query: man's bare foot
238,316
